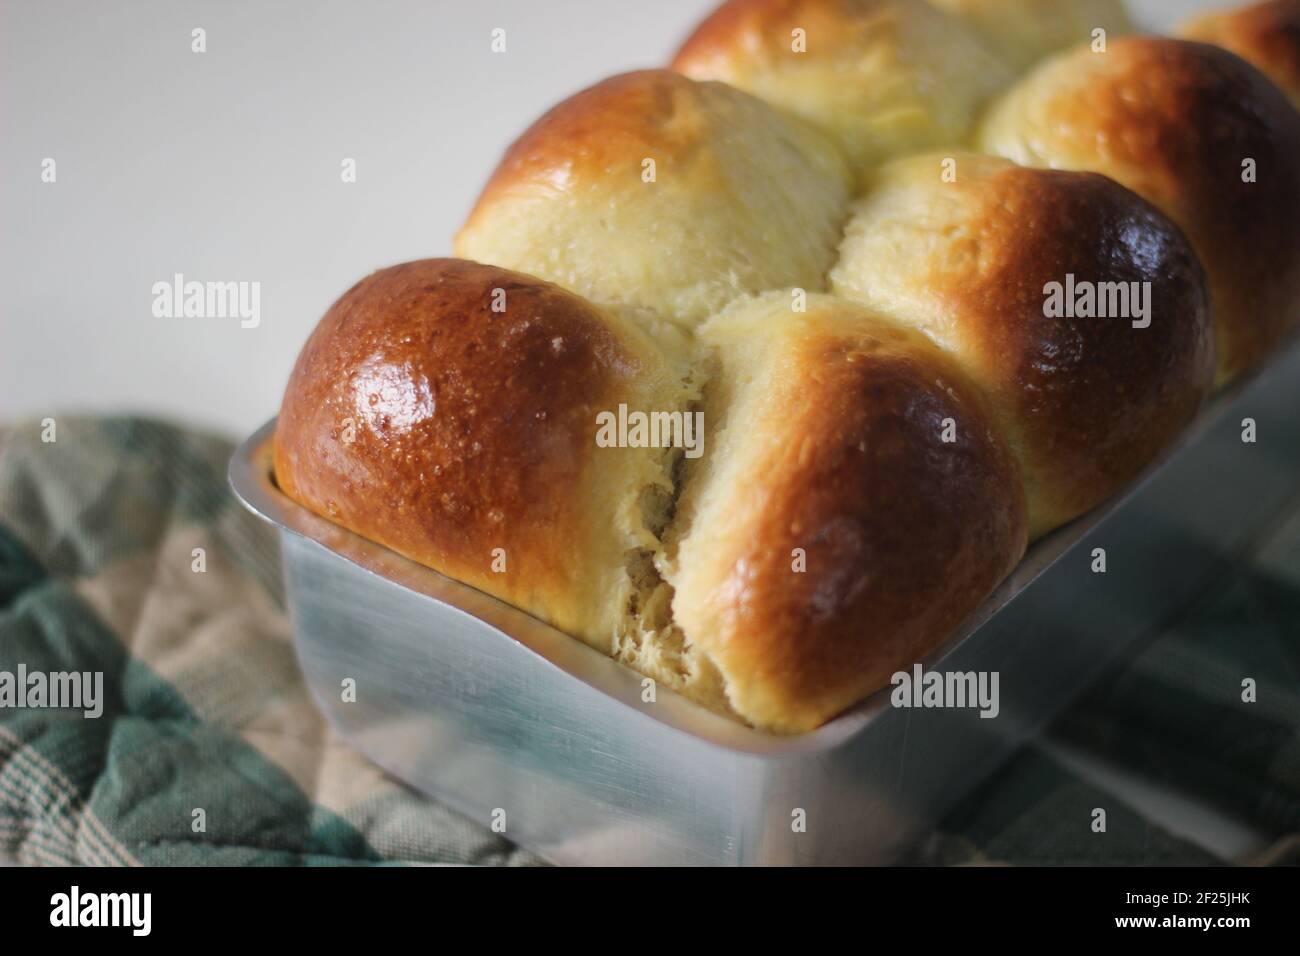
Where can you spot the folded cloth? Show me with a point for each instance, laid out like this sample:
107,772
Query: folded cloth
1173,715
1176,709
208,749
123,552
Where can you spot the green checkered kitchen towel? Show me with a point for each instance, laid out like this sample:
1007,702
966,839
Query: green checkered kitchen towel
209,750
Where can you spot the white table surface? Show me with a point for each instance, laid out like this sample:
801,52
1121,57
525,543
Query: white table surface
225,166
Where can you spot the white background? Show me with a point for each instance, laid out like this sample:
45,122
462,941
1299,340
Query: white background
225,166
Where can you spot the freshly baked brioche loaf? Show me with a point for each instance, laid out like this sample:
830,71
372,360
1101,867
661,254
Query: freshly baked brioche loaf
1022,32
426,419
1266,34
834,534
883,77
1085,389
466,438
869,463
1203,136
742,199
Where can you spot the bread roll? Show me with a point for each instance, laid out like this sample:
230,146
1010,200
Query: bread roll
742,198
1085,400
832,536
1022,32
1203,136
1266,34
465,438
883,77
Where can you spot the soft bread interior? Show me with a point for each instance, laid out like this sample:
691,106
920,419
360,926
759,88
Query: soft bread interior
644,635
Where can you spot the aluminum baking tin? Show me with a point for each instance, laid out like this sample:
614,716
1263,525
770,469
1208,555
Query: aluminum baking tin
523,728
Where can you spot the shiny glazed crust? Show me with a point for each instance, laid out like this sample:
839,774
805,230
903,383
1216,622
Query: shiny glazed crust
1084,400
424,420
1175,122
856,506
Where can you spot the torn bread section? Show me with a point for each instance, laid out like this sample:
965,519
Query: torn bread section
646,637
854,506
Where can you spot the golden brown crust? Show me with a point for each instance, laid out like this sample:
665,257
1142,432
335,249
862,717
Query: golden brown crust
653,191
1177,122
470,429
883,77
1266,34
602,130
1096,399
1086,402
843,455
763,25
904,535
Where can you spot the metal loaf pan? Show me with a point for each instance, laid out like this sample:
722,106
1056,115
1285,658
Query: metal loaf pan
509,720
